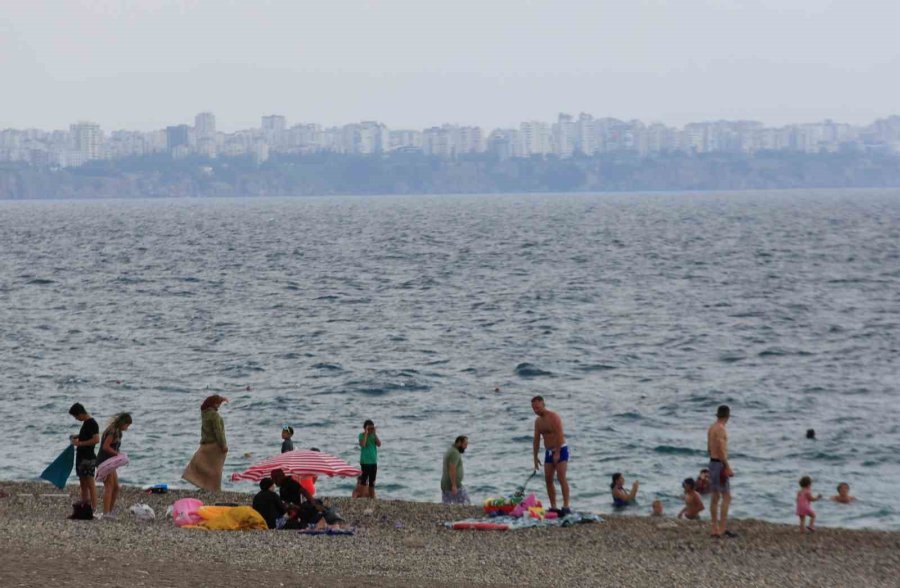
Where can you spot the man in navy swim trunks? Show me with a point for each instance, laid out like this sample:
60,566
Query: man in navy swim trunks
549,425
719,473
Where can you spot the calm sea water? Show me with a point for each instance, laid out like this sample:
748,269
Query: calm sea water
634,315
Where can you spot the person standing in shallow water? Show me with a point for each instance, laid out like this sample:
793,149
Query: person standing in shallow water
549,425
452,489
719,473
368,461
205,468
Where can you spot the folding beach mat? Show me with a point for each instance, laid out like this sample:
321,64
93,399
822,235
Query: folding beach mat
57,473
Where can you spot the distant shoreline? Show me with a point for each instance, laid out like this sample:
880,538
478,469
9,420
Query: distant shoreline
406,544
410,174
615,193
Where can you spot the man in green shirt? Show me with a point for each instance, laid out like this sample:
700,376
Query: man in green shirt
452,490
368,461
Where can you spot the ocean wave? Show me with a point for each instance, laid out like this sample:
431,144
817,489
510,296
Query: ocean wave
674,450
527,370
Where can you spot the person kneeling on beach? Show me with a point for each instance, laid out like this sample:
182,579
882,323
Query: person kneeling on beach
693,503
621,499
805,499
452,490
267,503
843,494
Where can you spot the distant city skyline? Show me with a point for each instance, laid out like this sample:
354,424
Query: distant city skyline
569,135
142,64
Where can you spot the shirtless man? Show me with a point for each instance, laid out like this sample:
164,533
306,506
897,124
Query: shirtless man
719,473
556,456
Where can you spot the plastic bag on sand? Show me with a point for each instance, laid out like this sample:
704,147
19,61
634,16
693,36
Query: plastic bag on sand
184,512
142,512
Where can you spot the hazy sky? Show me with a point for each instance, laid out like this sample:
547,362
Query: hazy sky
144,64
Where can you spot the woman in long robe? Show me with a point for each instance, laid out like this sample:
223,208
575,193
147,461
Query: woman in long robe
205,468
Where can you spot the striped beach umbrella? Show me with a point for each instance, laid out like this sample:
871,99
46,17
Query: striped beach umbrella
300,462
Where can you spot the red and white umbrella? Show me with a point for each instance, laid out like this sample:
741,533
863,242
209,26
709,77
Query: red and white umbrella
300,462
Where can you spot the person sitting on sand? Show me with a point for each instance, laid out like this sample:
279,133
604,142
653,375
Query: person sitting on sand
701,484
843,494
291,492
620,497
693,503
805,499
267,503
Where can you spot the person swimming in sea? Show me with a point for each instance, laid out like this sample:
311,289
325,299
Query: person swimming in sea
620,497
701,484
843,494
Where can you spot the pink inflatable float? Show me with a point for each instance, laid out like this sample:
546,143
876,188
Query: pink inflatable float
110,465
184,512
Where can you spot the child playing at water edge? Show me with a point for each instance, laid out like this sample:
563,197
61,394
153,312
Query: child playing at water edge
805,499
287,444
693,504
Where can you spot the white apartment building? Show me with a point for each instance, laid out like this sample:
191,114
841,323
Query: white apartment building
535,138
86,141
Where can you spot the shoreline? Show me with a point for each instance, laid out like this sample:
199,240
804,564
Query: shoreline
400,543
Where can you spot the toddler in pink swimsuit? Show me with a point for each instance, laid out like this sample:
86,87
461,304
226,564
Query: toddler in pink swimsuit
805,499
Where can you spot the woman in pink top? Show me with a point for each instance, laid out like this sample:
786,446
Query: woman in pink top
805,499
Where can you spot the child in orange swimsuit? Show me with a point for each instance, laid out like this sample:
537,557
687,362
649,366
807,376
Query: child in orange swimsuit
805,499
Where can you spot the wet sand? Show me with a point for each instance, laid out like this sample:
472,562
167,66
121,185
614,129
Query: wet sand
405,544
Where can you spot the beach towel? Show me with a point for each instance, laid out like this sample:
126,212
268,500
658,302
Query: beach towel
205,469
509,523
232,518
110,465
58,472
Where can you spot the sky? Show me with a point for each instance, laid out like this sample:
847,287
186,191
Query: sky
145,64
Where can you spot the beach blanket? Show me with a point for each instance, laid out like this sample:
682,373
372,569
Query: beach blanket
229,518
514,523
57,473
110,465
205,469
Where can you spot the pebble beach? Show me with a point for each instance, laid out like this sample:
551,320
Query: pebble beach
406,544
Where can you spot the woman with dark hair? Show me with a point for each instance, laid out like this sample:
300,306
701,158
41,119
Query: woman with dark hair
621,498
110,455
205,468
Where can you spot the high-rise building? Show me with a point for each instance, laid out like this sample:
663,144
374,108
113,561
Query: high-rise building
205,125
178,136
86,140
274,123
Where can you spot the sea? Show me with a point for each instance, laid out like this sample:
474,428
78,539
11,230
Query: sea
634,315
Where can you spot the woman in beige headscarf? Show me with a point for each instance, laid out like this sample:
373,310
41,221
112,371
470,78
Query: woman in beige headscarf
205,469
